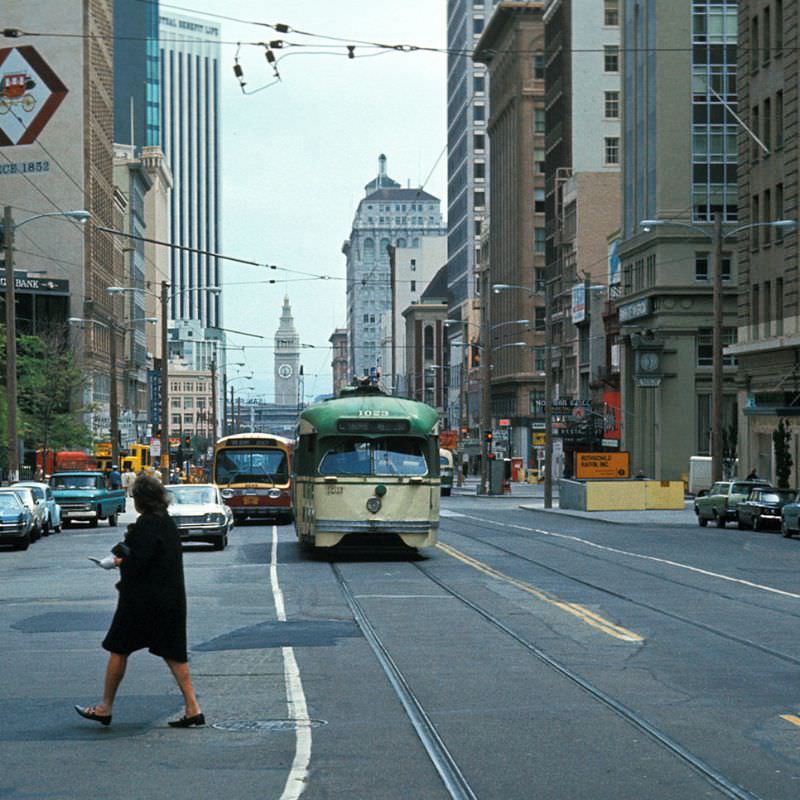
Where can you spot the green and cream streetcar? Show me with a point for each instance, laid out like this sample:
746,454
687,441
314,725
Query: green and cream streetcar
366,463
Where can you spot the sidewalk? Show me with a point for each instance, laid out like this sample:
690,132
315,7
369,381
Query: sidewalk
532,499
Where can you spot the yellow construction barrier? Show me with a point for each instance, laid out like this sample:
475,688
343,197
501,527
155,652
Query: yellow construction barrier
633,495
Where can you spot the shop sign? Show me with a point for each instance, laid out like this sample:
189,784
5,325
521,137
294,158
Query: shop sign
639,308
602,465
579,302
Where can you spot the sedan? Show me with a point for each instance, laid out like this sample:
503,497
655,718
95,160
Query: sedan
199,513
16,521
38,511
44,494
790,518
763,508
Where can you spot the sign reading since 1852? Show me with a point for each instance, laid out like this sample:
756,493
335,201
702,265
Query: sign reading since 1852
602,465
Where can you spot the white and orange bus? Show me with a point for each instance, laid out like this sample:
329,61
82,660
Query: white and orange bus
253,472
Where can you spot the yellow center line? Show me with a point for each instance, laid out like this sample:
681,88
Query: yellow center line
791,718
583,614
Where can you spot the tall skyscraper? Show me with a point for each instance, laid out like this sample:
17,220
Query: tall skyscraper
287,359
190,138
137,117
679,153
387,215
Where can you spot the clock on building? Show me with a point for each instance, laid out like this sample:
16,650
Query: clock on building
648,361
285,371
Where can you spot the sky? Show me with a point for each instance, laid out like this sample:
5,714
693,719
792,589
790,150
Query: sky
296,157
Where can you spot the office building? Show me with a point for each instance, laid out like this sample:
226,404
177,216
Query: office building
768,326
679,152
388,215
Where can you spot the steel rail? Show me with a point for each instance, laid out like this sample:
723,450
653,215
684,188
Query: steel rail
726,787
443,761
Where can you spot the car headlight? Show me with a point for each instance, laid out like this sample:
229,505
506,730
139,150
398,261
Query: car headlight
274,494
217,519
227,493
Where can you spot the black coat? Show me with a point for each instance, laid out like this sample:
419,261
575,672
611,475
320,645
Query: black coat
151,611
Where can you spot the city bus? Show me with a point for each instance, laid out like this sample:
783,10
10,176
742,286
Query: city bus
253,473
368,464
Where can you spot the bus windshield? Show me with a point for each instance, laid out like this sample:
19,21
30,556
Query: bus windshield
381,457
248,465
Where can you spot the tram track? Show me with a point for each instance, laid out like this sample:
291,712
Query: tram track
443,760
639,603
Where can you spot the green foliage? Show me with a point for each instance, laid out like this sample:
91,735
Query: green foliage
49,412
781,439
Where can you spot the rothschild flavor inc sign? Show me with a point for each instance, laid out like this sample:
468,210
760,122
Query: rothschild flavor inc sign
30,93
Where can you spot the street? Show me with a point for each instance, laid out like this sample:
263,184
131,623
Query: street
531,654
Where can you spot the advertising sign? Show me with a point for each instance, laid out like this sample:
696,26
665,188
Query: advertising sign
448,440
602,465
154,385
612,402
579,302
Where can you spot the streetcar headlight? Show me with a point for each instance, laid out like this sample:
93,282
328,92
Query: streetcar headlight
374,505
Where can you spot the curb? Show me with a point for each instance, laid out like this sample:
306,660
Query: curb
567,513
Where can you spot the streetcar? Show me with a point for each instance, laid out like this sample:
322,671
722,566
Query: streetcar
253,472
367,463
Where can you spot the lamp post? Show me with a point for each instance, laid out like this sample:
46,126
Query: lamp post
9,229
717,236
164,297
233,427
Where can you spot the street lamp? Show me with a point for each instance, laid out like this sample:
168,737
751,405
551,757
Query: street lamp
9,228
717,237
233,407
113,399
164,296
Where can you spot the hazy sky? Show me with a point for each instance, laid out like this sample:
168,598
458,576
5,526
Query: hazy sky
296,156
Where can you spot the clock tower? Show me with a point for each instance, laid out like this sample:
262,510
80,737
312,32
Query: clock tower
287,359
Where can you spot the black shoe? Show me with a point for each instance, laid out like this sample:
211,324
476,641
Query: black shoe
89,713
184,722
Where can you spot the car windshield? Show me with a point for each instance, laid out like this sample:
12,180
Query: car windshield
23,494
382,457
744,488
192,495
9,502
75,482
255,465
785,496
37,492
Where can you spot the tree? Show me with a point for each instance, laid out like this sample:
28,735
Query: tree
781,438
49,393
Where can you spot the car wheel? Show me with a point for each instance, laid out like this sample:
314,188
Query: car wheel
112,520
24,544
701,521
719,520
787,534
221,543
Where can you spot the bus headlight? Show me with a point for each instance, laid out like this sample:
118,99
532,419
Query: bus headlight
274,494
374,505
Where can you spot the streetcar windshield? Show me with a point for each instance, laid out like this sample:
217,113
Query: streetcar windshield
381,457
251,466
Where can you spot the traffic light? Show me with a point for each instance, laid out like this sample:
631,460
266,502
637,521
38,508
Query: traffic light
488,437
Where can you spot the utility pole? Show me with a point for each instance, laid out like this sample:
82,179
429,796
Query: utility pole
391,250
486,375
164,379
717,410
213,399
113,396
463,418
548,394
11,347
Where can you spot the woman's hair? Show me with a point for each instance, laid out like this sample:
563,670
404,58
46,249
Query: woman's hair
149,495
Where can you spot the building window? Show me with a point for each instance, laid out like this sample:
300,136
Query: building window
611,13
538,66
539,280
703,424
755,307
539,319
702,267
480,84
480,199
766,131
477,26
539,240
479,113
756,217
779,119
538,359
778,48
480,170
754,42
705,348
428,343
611,154
538,201
778,210
612,105
538,124
766,32
413,286
479,142
779,306
536,401
611,58
767,211
767,307
538,159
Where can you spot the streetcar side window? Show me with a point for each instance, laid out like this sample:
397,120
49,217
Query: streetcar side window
381,457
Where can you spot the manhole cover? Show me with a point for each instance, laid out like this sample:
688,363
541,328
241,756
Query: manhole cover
267,725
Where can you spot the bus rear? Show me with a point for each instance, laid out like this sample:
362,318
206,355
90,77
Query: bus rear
253,473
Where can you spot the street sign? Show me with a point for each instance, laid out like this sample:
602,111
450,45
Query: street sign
602,465
504,423
537,438
155,448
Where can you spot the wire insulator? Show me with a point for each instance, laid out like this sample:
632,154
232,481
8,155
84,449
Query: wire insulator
282,28
351,51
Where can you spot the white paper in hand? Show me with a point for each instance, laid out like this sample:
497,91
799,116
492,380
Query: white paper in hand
105,563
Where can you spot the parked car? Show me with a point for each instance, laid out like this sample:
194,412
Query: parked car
38,511
44,494
446,471
200,514
720,502
85,497
16,521
790,517
763,507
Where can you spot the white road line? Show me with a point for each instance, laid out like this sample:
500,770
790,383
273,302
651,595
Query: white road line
295,696
643,557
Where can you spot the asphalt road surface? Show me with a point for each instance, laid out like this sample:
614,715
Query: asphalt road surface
529,655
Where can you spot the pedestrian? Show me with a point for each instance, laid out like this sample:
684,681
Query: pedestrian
752,476
114,478
151,609
128,477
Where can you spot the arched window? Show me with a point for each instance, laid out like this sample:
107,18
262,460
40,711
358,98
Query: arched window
428,343
401,242
369,249
383,253
415,242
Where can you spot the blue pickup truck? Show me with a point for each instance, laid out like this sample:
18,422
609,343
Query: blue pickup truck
85,497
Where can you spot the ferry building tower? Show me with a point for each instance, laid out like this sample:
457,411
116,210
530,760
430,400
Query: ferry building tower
287,359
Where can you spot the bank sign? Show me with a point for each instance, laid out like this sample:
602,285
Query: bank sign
30,93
